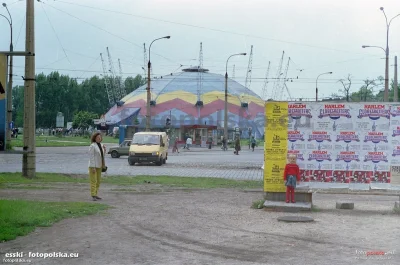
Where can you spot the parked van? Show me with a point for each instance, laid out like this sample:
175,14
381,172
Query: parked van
148,147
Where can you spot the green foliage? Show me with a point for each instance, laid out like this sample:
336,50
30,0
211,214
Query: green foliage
60,93
83,119
19,218
172,181
53,141
131,84
258,204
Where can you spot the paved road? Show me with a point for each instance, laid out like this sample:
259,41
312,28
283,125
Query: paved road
198,162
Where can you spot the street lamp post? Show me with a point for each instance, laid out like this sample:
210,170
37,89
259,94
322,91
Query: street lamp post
316,84
226,97
148,114
10,80
386,93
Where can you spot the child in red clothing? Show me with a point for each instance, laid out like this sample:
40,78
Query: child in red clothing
291,175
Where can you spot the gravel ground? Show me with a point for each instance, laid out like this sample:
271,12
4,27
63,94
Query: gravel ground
158,225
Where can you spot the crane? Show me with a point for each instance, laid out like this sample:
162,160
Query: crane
288,92
116,87
121,81
107,83
264,89
275,90
284,79
249,69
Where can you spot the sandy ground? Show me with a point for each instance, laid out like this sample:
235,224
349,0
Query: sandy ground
156,225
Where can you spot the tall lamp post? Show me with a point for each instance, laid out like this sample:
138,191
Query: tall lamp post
386,93
148,114
226,97
316,84
10,80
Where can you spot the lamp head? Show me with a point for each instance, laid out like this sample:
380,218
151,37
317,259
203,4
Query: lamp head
4,4
381,8
330,73
167,37
364,46
243,53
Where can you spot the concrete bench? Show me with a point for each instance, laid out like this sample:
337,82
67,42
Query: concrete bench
300,196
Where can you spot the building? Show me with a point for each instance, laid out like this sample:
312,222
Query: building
191,103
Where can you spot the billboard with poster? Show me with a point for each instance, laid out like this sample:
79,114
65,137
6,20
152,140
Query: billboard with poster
3,85
354,145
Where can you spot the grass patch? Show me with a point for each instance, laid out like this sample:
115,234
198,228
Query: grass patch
188,182
18,217
258,204
315,209
25,187
53,141
6,178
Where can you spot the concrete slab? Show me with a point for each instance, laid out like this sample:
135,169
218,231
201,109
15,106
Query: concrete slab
287,207
345,205
300,196
295,219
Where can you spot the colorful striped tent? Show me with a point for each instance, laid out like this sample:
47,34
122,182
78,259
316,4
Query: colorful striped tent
193,97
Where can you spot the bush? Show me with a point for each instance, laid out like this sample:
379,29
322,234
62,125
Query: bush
258,204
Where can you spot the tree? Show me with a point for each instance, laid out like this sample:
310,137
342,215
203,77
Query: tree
366,92
60,93
131,84
346,83
84,119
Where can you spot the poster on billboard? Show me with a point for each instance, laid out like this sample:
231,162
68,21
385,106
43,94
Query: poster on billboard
3,85
60,120
276,143
342,145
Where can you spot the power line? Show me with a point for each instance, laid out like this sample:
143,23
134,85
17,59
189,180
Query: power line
206,28
56,61
90,66
99,28
20,30
55,33
188,79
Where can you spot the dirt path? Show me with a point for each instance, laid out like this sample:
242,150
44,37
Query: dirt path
157,225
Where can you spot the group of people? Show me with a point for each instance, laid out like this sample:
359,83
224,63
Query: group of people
188,144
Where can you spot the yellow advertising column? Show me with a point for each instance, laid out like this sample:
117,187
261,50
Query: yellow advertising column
3,86
276,145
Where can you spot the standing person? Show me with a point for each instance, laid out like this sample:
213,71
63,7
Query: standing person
96,164
188,143
224,144
291,175
253,143
237,145
175,147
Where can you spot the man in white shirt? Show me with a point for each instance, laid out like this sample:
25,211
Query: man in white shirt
188,143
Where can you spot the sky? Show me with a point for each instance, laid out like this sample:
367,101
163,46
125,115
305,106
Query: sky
319,36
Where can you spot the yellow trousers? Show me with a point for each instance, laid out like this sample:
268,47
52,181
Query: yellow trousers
94,180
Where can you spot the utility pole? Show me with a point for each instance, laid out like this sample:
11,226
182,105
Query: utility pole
396,88
29,156
10,82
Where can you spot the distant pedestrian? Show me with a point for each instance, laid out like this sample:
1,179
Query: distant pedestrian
237,146
175,147
224,147
96,164
253,143
189,142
